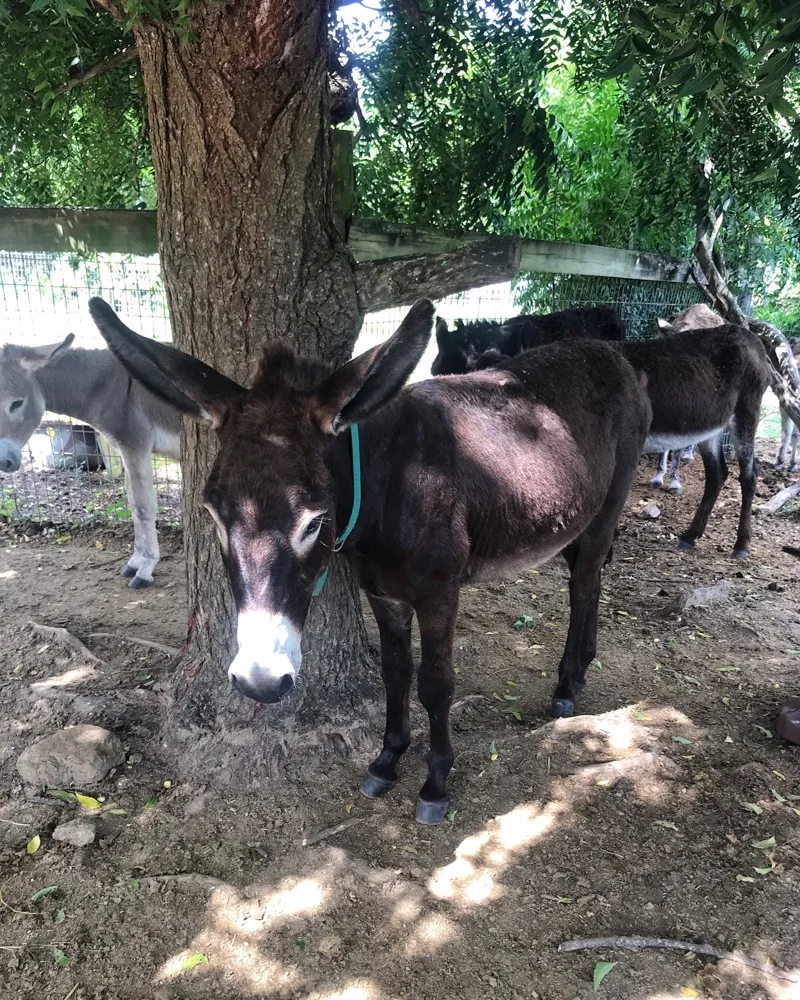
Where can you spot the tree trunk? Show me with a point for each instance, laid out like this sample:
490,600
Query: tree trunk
239,127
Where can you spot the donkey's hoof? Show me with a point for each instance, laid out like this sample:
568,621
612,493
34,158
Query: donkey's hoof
139,583
127,571
563,708
431,813
372,787
656,484
684,545
741,553
676,489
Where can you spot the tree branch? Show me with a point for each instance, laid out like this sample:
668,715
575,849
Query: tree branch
126,55
783,373
396,281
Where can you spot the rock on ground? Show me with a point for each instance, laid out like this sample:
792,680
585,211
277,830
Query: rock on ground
78,832
74,758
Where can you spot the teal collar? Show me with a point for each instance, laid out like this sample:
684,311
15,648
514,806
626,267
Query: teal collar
337,545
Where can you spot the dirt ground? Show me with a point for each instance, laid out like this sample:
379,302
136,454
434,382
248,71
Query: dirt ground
201,887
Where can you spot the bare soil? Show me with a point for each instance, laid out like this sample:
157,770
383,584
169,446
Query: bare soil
207,857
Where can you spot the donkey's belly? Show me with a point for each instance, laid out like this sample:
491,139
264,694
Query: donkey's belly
677,442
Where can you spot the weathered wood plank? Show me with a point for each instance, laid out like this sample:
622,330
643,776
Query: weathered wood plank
71,229
109,231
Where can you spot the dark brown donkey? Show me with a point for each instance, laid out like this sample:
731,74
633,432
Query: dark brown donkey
463,478
699,381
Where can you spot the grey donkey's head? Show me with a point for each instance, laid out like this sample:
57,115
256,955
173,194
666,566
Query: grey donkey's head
22,402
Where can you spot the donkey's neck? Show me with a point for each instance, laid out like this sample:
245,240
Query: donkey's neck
72,381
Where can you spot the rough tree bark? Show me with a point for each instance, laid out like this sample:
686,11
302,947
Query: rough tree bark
239,122
239,129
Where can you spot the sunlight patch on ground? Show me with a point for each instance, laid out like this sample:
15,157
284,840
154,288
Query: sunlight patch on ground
69,677
472,879
363,992
8,574
260,913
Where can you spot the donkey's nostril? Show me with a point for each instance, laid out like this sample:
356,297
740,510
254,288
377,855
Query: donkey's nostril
286,685
266,689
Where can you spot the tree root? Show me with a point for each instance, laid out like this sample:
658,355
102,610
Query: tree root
637,942
169,650
65,638
775,504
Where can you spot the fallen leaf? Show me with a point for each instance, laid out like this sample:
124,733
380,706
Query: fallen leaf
133,883
348,808
33,844
601,970
762,729
511,697
558,899
493,754
60,917
691,680
524,621
513,684
779,775
116,811
41,893
764,871
752,807
60,958
87,801
62,796
728,739
687,991
777,796
450,815
641,717
762,845
666,824
796,812
194,960
728,668
152,801
744,878
726,700
681,739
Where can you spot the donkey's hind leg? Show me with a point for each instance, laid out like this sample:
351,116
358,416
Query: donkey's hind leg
716,470
657,482
586,557
142,502
675,486
397,667
743,434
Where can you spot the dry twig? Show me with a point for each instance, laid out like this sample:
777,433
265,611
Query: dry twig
636,942
330,832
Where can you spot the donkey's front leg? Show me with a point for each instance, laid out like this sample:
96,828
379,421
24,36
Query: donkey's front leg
437,622
397,666
142,502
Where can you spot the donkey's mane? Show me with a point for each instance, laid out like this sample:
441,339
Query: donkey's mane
280,367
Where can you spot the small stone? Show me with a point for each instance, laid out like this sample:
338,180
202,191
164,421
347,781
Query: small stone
777,587
78,832
649,512
703,596
74,758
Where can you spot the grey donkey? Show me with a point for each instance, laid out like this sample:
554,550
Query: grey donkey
93,387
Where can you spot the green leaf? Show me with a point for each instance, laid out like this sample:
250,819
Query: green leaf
682,51
601,970
151,802
784,108
762,845
33,844
60,958
681,739
524,621
41,893
62,796
753,808
699,84
194,960
60,917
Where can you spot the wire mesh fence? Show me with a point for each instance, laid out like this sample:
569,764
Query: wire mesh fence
70,474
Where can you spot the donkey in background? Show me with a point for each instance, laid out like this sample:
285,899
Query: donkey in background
461,348
463,479
697,317
92,386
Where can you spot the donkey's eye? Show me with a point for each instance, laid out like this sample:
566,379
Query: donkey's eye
16,405
313,525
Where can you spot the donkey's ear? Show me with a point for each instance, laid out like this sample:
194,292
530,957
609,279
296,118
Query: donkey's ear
358,388
665,326
442,333
31,359
179,379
